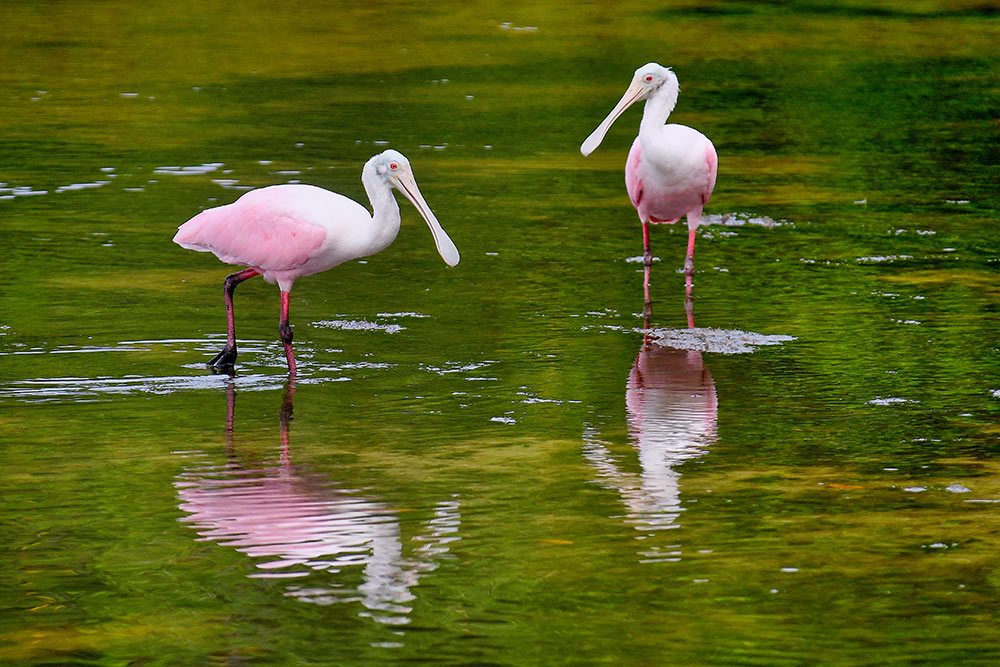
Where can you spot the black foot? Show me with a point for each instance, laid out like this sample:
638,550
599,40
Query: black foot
224,360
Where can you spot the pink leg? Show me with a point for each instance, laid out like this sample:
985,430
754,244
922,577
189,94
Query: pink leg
285,331
647,259
645,286
689,260
689,305
227,357
647,254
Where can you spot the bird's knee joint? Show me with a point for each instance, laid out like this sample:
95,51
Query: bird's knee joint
230,284
285,331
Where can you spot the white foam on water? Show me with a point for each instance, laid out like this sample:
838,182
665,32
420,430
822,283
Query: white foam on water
358,325
723,341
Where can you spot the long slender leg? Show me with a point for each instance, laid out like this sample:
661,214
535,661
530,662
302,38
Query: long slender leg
227,357
647,254
647,260
645,288
689,260
689,305
285,331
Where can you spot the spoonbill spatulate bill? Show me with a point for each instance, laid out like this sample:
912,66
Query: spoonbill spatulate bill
671,168
284,232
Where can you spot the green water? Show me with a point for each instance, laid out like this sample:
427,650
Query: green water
486,464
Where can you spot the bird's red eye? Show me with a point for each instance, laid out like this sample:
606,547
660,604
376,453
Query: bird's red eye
393,166
649,78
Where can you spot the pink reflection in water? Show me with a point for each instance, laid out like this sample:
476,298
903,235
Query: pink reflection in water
301,525
672,413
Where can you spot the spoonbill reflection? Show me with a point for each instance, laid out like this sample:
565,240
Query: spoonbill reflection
297,524
283,232
672,413
671,168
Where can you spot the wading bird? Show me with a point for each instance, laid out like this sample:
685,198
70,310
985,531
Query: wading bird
671,168
283,232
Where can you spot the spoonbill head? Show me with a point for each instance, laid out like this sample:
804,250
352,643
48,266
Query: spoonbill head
652,79
395,169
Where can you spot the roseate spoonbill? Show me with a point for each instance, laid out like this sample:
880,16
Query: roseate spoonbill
283,232
671,168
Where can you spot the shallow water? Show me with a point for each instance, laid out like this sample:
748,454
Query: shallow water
503,462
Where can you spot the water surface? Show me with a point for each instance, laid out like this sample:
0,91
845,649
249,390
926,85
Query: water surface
499,463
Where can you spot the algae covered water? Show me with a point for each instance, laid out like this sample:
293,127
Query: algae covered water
503,462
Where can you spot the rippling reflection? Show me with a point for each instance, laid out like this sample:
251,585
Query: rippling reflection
298,524
672,412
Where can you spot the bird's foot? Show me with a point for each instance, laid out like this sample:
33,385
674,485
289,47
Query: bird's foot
224,360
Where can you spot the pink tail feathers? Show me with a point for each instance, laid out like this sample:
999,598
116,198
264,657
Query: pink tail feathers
191,235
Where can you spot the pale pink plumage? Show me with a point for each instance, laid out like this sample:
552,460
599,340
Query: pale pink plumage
658,199
272,230
284,232
671,169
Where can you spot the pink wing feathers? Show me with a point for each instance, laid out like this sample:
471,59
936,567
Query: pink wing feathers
633,182
257,230
712,160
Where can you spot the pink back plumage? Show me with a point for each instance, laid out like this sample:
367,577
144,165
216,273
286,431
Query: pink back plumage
633,182
264,229
712,160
